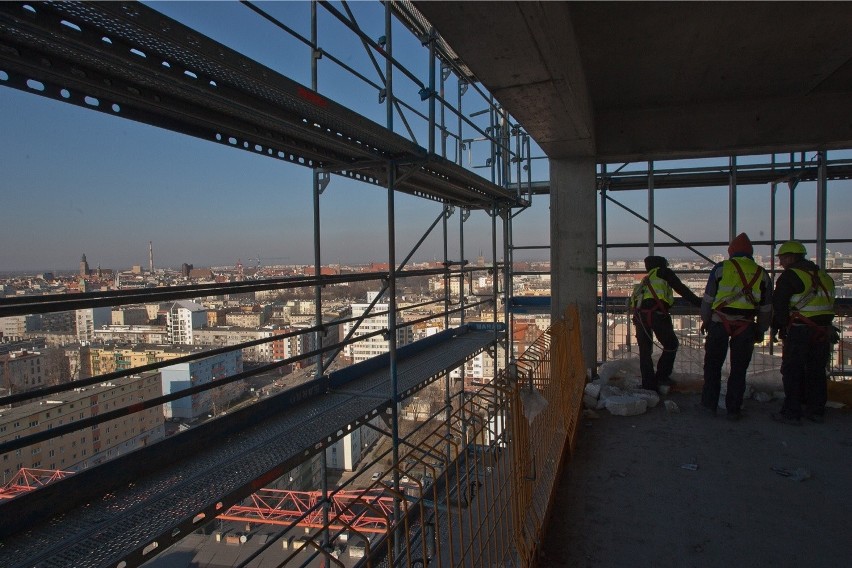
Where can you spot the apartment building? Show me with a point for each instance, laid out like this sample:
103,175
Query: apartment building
378,344
22,371
201,372
88,446
90,319
182,319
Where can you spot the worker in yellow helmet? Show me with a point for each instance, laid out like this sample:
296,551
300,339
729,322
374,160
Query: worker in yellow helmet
735,312
650,304
803,310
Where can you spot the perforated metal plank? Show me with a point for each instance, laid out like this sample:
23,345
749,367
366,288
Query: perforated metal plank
141,65
160,507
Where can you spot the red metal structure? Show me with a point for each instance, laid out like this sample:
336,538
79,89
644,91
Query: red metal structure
28,479
367,511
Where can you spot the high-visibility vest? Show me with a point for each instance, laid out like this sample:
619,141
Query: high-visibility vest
733,290
818,296
652,287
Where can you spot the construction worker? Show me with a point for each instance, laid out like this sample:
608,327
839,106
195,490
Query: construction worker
650,304
736,312
803,310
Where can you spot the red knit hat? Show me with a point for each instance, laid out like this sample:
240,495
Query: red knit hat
741,244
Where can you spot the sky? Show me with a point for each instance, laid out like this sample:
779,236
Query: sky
79,182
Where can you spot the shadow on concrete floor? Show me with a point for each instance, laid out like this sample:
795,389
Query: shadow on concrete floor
629,495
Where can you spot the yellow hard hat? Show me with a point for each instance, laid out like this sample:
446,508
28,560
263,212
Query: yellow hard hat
791,247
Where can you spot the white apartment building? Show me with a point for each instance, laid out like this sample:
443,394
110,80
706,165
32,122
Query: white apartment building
90,319
210,369
376,345
347,452
182,317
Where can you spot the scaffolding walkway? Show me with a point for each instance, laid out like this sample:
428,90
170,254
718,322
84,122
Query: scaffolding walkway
120,513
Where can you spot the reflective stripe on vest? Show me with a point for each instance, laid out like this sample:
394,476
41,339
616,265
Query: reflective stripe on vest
817,298
661,288
731,285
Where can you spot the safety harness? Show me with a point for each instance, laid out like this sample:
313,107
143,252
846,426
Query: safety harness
647,314
734,327
820,332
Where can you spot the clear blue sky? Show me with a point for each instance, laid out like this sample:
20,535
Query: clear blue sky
79,182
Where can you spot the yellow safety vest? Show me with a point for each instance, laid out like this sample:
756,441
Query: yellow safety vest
818,295
733,290
652,287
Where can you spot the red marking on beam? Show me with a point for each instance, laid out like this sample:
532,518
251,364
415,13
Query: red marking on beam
312,97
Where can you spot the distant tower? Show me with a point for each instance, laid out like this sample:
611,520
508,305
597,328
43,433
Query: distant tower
151,256
84,267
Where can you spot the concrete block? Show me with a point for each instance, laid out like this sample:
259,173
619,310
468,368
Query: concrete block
651,397
593,390
761,396
626,405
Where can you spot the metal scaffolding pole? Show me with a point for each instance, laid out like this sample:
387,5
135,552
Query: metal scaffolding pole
732,199
822,209
463,215
604,277
495,288
508,267
318,188
392,336
650,208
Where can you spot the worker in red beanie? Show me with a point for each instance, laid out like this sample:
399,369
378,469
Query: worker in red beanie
736,312
741,245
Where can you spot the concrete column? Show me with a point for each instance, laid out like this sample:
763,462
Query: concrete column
573,246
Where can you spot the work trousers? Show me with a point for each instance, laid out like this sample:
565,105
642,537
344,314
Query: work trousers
803,370
715,352
662,329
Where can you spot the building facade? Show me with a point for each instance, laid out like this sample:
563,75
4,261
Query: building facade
88,446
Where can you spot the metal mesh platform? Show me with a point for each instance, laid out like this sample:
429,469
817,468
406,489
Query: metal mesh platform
147,513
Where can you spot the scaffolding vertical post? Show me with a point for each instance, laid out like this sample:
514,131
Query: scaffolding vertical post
650,207
317,190
773,187
822,211
508,289
732,198
495,288
431,90
394,386
604,275
389,67
462,217
445,72
462,89
448,411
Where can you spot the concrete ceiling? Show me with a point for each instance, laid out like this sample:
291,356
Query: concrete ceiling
649,80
